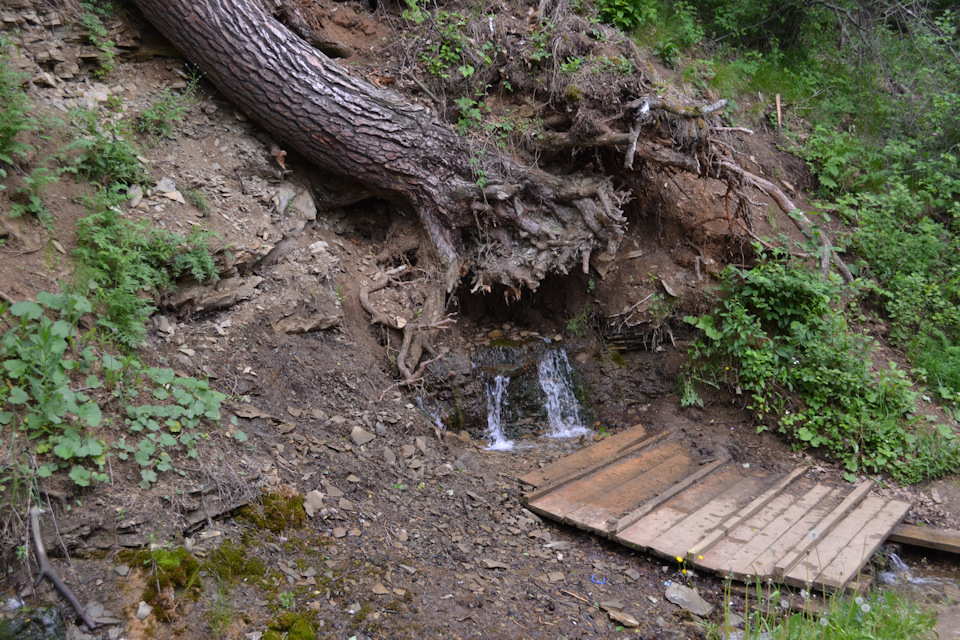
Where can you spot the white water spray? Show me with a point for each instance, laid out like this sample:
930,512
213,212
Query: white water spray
495,390
563,410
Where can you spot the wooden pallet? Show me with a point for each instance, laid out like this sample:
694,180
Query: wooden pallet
738,520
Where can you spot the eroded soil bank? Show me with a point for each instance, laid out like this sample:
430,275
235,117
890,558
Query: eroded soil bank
348,511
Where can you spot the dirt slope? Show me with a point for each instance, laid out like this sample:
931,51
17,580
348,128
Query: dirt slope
419,532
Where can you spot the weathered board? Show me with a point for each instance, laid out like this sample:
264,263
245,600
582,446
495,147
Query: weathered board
739,520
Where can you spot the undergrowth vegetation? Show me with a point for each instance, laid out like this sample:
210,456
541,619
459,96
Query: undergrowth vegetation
870,94
73,393
781,336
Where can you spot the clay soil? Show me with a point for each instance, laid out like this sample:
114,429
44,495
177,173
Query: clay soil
418,532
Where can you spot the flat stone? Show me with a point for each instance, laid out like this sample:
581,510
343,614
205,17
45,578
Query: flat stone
494,564
948,622
353,479
421,443
332,491
166,185
340,532
143,610
346,505
686,598
379,589
632,575
360,436
408,450
389,456
555,576
623,618
122,571
174,195
312,502
611,605
354,533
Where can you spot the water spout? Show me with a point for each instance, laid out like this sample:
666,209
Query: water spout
495,390
563,410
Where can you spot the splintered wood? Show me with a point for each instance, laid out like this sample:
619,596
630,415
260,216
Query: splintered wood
738,520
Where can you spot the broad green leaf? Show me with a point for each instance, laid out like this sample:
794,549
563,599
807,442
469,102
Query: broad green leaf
18,396
161,376
90,413
240,436
80,475
26,309
16,368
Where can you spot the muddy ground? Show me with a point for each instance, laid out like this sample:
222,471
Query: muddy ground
415,530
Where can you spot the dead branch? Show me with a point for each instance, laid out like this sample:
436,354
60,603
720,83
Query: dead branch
46,571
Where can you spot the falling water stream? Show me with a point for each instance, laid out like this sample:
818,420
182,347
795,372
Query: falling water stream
508,371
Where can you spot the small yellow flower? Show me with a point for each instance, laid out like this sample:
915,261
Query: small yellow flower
679,559
699,557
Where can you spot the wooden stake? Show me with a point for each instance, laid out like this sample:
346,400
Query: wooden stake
779,115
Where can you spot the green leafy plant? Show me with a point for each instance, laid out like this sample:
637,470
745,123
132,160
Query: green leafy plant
198,200
90,19
157,120
14,112
28,199
579,324
40,356
104,152
780,336
119,260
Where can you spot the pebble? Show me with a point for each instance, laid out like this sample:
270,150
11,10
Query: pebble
312,502
623,618
360,436
555,576
389,456
687,598
122,570
379,589
346,505
143,610
495,564
339,532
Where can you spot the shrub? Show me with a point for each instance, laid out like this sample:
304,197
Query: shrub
780,336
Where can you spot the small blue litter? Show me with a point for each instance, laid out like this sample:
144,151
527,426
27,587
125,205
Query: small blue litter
595,581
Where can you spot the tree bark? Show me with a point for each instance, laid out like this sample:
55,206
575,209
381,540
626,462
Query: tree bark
512,226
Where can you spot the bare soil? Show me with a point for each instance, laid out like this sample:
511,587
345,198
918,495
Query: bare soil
420,532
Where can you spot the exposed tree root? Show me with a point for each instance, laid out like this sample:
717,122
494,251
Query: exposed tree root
46,571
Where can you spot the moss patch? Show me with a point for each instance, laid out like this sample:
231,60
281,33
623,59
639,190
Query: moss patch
292,626
229,562
169,571
275,512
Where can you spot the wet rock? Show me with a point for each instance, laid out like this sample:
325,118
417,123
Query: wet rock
35,623
686,598
313,502
360,436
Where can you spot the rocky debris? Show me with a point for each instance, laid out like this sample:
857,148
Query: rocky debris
360,436
313,502
222,294
686,598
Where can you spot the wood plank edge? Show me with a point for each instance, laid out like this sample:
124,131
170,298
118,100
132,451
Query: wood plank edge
586,471
536,477
939,539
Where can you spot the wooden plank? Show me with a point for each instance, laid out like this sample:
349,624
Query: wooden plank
940,539
849,562
828,546
822,528
738,540
564,500
748,511
600,513
644,531
778,538
586,457
599,466
675,542
634,516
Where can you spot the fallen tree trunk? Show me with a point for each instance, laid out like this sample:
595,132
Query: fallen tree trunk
511,224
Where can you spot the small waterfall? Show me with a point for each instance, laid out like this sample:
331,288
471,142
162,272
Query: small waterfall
528,390
495,390
563,410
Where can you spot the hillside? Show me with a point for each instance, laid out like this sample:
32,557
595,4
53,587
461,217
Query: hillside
207,382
